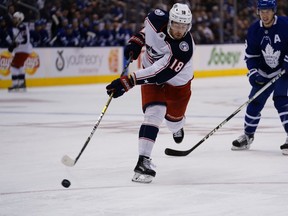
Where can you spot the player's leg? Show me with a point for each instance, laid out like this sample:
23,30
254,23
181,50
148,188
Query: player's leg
17,71
177,99
14,75
21,79
281,104
154,110
252,118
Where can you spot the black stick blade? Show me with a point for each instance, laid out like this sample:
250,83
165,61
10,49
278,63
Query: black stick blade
173,152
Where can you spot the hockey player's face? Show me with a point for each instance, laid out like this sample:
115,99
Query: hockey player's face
178,30
267,17
15,21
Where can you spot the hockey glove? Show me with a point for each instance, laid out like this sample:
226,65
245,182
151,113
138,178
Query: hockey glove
119,86
134,46
12,47
256,79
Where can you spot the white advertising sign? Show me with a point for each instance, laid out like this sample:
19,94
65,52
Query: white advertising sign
67,62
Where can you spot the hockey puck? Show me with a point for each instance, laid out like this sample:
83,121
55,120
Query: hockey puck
66,183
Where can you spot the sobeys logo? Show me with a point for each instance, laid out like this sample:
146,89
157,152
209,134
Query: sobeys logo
219,57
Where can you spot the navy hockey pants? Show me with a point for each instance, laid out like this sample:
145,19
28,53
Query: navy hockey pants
280,98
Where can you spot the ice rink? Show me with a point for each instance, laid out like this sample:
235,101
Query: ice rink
40,126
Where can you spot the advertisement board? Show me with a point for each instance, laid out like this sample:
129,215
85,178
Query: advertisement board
65,66
82,64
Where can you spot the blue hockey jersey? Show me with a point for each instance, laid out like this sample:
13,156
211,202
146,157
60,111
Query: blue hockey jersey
267,47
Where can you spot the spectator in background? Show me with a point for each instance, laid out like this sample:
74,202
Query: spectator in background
39,36
68,38
121,33
3,33
206,16
105,35
93,34
76,30
9,16
86,33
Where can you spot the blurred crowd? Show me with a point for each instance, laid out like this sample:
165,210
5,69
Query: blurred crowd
79,23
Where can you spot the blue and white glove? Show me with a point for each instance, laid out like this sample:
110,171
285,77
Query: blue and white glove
256,79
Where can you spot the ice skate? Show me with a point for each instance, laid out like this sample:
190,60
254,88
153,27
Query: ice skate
178,136
143,171
243,142
17,88
22,87
284,147
13,88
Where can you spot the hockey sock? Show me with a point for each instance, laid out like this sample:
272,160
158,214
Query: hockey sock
147,137
281,106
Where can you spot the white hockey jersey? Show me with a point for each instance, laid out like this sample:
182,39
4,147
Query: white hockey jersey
165,60
21,36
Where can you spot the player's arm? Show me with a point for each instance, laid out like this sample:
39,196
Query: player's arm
252,58
252,51
134,46
160,72
169,65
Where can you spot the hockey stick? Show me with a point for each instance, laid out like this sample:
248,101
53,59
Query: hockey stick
173,152
68,161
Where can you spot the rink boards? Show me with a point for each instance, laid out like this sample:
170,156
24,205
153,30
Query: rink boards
89,65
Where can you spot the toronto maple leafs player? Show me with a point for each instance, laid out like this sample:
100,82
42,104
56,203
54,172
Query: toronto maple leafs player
266,56
165,79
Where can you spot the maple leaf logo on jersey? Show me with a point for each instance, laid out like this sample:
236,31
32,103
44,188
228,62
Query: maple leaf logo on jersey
271,57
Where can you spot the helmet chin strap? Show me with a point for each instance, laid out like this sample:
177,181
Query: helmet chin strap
168,31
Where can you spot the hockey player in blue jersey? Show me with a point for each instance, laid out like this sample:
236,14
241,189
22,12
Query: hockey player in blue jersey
266,56
165,79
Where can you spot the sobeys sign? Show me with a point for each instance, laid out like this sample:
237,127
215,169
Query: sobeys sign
220,57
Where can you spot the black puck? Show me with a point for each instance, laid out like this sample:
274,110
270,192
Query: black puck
66,183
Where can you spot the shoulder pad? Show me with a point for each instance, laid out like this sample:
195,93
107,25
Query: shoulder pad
158,18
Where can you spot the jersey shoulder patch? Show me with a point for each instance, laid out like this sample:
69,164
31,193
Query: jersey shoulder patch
158,19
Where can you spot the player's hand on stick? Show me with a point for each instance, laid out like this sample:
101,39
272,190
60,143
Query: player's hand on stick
12,47
256,79
134,47
119,86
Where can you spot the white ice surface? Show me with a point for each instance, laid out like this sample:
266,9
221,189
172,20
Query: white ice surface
40,126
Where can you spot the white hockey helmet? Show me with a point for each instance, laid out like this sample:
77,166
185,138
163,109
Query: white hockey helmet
18,16
180,13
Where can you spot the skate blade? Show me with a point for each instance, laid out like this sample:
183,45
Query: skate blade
285,152
17,90
235,148
141,178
